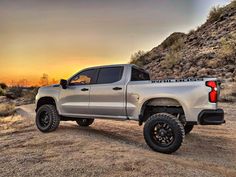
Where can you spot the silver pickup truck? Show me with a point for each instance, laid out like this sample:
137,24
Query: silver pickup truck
170,108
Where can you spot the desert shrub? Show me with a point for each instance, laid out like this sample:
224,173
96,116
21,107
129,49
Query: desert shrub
228,92
7,109
191,32
227,46
29,94
14,92
3,85
138,58
213,63
233,4
2,92
215,13
174,55
168,42
170,60
177,45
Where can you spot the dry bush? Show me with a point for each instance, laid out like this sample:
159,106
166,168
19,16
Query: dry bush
174,56
3,85
215,13
192,31
30,94
228,92
14,92
2,92
177,45
7,109
170,60
233,4
213,63
138,58
227,46
171,40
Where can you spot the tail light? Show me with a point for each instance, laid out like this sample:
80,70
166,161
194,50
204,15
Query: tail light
213,92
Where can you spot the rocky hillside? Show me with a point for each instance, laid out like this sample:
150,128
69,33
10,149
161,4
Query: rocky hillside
208,51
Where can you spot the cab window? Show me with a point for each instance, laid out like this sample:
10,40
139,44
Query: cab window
84,78
109,75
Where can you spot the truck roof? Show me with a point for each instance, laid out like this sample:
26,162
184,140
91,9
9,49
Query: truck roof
115,65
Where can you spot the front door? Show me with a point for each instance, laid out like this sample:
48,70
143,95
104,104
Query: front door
107,96
74,100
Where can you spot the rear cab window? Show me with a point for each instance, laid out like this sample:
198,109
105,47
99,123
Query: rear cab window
139,75
109,75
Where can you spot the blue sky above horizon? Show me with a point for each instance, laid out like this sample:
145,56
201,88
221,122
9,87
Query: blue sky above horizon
61,37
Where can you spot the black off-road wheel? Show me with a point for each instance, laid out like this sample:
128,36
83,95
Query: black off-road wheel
163,133
84,122
47,118
188,128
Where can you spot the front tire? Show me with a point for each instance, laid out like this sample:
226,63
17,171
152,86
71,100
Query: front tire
188,128
47,118
84,122
163,133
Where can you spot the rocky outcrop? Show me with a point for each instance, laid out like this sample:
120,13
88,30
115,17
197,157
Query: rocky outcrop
209,51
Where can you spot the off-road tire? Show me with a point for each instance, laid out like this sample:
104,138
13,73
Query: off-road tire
84,122
53,118
176,129
188,128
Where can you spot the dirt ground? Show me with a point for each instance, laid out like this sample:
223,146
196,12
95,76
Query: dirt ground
112,148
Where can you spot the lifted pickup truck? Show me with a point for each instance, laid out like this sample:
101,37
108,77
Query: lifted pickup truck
170,108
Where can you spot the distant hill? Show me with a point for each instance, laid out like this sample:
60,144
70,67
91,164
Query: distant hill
208,51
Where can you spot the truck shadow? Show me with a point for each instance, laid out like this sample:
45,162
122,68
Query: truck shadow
194,143
102,134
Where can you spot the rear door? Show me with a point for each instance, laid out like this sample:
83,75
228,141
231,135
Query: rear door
107,96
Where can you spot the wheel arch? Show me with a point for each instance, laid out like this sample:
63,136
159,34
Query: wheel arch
167,102
45,100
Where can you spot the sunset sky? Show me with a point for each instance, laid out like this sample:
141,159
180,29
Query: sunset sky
61,37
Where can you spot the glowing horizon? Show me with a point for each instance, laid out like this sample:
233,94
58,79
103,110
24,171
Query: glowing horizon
60,38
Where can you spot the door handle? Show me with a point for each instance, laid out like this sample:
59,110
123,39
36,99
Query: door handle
84,89
117,88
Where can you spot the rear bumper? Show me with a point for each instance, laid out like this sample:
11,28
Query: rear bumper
211,117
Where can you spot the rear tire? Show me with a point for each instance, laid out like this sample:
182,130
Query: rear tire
47,118
163,133
84,122
188,128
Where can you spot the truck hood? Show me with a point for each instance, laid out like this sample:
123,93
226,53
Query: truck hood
50,86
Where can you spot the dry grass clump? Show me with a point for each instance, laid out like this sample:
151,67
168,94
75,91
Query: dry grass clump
213,63
30,94
7,109
11,124
215,13
227,46
171,40
3,87
14,92
138,58
228,92
232,4
174,56
2,92
170,60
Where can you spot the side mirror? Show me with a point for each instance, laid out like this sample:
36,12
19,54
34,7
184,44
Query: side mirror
63,83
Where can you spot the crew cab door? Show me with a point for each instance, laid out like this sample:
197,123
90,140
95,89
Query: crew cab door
107,96
74,100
